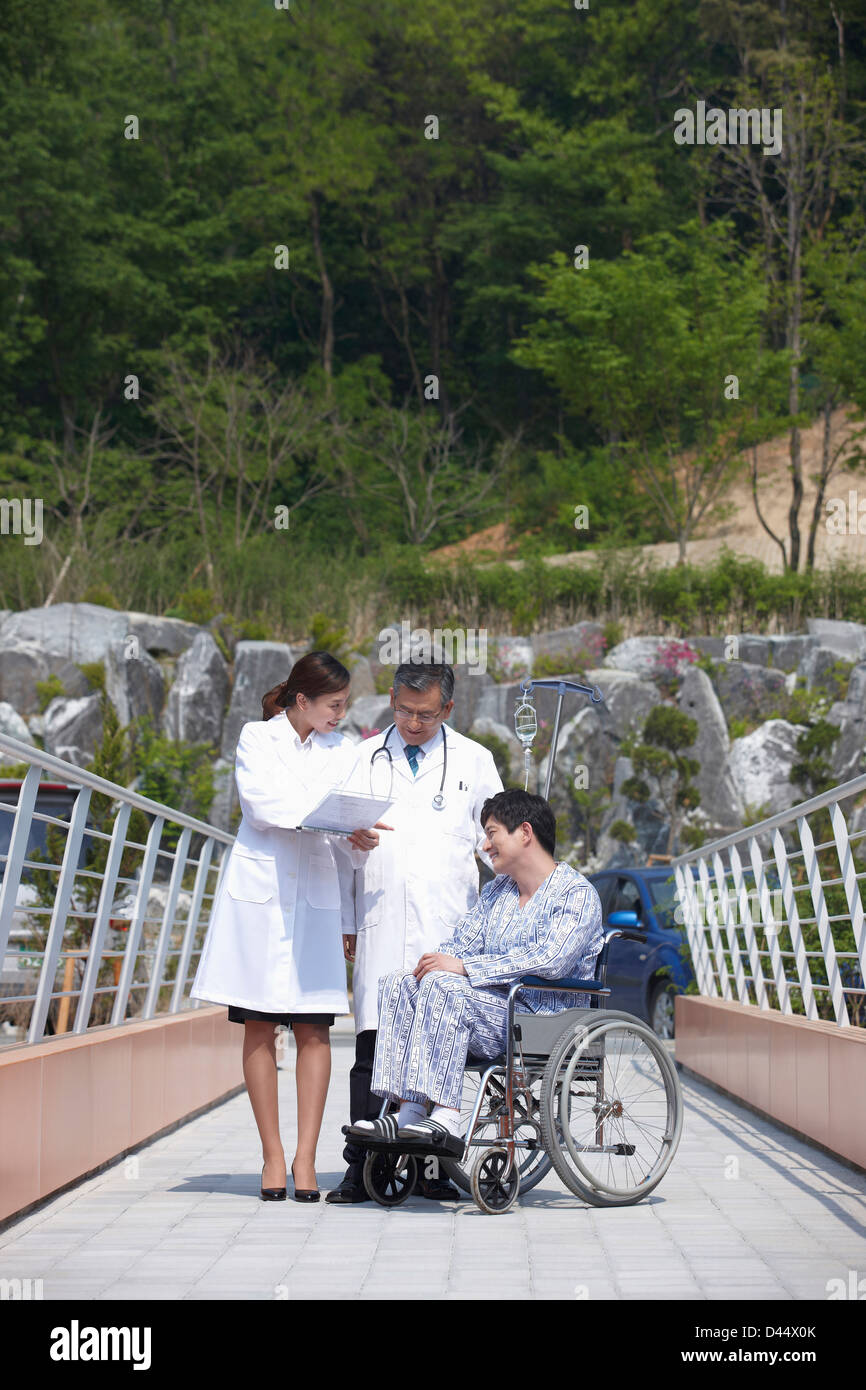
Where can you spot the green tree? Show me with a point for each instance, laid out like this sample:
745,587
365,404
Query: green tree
790,58
660,754
644,346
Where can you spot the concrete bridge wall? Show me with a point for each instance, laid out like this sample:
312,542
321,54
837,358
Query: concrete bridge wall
70,1104
809,1076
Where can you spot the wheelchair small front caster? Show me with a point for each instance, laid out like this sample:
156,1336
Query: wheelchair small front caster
495,1181
390,1177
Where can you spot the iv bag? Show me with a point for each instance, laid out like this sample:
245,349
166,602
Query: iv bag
525,719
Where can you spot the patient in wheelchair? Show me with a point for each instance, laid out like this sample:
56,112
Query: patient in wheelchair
537,917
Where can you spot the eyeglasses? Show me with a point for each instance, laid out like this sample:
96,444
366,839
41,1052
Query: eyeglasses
413,714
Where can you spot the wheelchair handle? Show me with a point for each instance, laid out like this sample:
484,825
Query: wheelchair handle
627,934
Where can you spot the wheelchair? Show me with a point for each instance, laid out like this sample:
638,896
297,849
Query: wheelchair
590,1092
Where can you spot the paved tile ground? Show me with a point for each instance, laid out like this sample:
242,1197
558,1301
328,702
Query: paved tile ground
745,1211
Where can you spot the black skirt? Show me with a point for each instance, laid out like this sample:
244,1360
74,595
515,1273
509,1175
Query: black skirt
237,1014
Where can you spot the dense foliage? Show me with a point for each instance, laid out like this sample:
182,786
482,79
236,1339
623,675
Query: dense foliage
259,333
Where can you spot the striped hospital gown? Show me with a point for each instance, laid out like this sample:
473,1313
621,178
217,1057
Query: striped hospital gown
427,1028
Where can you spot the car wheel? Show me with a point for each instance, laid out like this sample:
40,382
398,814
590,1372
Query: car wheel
661,1009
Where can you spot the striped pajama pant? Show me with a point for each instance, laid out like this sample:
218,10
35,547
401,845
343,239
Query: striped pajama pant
427,1029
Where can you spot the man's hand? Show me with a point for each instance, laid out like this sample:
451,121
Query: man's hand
435,960
349,946
367,839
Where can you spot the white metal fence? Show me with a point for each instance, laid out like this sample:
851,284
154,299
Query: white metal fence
774,913
113,931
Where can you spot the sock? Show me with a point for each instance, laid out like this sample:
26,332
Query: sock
451,1119
411,1111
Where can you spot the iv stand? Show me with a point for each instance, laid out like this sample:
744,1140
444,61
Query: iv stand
561,687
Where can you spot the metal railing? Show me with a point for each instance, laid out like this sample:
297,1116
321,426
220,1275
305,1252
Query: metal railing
784,893
176,864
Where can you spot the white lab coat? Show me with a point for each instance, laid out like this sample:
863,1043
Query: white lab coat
274,942
422,877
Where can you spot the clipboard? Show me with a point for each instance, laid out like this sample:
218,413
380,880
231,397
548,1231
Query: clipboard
342,813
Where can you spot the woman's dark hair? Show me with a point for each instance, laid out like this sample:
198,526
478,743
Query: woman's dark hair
514,806
317,673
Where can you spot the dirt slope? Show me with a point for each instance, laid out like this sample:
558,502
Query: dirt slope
741,532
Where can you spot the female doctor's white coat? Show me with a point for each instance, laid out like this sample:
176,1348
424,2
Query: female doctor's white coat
274,942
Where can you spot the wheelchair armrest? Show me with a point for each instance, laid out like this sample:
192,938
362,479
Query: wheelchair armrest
571,982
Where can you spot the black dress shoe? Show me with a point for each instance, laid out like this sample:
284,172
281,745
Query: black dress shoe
438,1190
272,1194
304,1194
350,1191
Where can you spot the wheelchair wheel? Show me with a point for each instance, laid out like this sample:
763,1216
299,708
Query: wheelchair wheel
533,1163
611,1111
390,1177
495,1182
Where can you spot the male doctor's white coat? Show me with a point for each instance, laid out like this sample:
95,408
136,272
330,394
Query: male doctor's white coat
420,880
274,942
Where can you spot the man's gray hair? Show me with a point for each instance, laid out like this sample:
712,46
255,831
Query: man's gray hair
417,675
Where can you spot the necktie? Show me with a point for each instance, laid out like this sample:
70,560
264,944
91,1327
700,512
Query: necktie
412,755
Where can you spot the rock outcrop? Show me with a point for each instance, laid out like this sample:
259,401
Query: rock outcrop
176,674
197,699
258,667
760,764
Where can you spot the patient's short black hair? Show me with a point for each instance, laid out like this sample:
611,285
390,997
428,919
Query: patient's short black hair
512,807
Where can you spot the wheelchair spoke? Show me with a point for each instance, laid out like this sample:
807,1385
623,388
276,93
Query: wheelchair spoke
530,1156
618,1135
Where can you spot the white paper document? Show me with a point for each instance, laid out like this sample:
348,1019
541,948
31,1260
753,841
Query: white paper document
342,812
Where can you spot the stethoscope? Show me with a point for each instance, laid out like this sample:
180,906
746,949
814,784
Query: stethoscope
439,798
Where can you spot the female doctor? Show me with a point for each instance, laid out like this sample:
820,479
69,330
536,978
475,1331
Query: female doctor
273,950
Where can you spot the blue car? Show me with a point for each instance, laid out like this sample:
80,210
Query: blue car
635,971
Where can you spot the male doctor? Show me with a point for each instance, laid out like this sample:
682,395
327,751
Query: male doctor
423,877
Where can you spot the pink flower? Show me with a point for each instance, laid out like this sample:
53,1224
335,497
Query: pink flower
674,656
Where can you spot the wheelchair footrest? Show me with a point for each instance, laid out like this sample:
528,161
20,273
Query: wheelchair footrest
440,1146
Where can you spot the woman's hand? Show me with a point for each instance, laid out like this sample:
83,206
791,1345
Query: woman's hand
367,839
348,947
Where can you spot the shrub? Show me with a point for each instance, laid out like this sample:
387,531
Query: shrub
14,772
48,690
325,636
102,594
254,630
194,606
178,774
813,771
693,836
501,756
622,830
383,679
94,673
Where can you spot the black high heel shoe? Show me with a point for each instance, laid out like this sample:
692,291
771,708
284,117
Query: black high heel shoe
274,1194
304,1194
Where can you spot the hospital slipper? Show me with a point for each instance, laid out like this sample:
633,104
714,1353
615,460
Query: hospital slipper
434,1136
383,1128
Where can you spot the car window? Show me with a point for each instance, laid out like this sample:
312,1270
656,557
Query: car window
50,804
663,896
603,885
625,896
